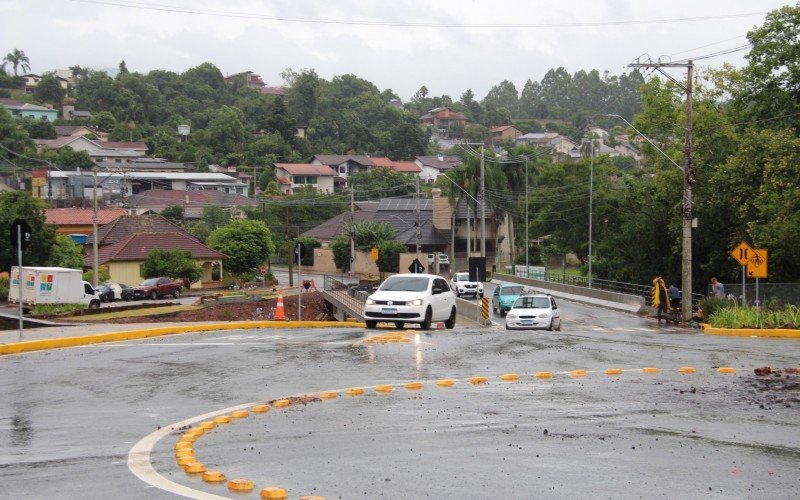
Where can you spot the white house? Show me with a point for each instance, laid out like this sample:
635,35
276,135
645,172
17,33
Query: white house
433,166
290,176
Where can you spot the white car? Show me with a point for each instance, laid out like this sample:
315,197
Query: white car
411,298
443,259
461,285
531,312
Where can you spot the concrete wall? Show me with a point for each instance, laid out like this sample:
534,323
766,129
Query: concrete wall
603,298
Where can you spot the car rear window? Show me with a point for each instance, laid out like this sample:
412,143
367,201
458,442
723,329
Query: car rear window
533,302
511,290
405,284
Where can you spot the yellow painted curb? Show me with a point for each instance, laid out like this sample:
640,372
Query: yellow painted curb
273,492
478,380
753,332
413,385
240,414
281,403
577,373
614,371
222,419
726,370
207,425
543,375
354,391
404,340
39,345
445,382
213,476
509,377
187,438
687,369
260,409
240,485
195,431
183,445
328,395
384,388
184,453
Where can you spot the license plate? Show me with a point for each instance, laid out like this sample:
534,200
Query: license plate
527,323
389,310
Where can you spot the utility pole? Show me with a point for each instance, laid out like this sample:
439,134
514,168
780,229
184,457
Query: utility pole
352,227
419,234
483,207
688,182
290,249
527,224
94,229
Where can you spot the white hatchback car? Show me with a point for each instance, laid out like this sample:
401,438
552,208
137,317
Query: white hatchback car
531,312
411,298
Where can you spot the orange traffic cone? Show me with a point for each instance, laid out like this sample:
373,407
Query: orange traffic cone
279,312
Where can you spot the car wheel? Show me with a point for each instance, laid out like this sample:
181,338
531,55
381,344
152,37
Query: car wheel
154,295
550,326
176,294
558,325
371,325
95,304
507,328
458,295
426,324
451,321
399,324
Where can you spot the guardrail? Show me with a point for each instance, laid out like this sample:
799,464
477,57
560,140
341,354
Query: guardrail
608,285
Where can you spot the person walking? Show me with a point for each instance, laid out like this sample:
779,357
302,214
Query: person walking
717,290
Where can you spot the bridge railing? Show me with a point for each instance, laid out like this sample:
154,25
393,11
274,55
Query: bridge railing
609,285
351,295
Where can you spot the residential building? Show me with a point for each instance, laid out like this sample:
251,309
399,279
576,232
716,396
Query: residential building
28,110
68,112
559,144
145,164
344,165
431,167
290,176
338,226
250,79
98,151
80,220
73,130
125,244
32,81
192,202
404,167
441,120
505,132
627,148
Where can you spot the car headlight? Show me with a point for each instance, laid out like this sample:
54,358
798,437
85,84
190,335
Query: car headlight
511,316
370,301
544,315
416,302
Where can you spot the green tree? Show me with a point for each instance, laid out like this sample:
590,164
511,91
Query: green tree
12,137
367,234
49,89
310,244
340,247
20,205
247,243
103,121
66,253
389,256
175,263
384,181
38,129
173,213
17,59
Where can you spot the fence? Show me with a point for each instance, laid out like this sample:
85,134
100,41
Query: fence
768,293
351,295
609,285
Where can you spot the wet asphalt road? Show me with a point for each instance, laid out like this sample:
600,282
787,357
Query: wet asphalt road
69,417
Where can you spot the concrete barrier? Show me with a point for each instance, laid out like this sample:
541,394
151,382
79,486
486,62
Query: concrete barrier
603,298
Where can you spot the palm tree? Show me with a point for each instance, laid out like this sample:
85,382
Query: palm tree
17,59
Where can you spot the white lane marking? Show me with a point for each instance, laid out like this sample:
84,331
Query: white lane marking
644,329
139,457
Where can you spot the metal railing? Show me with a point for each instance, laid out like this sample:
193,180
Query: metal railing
352,295
608,285
768,293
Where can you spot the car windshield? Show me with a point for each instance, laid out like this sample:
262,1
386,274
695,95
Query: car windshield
405,284
511,290
151,281
532,302
462,276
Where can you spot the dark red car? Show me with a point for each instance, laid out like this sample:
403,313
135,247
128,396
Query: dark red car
157,287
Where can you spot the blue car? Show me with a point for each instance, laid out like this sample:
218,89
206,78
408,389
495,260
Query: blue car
504,297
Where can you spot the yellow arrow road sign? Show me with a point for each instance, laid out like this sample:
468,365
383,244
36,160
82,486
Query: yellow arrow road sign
742,253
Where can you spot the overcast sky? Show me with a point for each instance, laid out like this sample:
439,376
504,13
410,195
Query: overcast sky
446,45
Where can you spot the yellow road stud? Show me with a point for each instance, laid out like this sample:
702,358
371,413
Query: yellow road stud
240,485
222,419
614,371
213,476
240,414
281,403
260,409
726,370
328,395
687,369
183,445
194,468
478,380
273,492
577,373
207,425
445,382
354,391
413,385
384,388
543,375
509,377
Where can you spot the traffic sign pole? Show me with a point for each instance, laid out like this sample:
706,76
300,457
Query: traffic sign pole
19,276
299,251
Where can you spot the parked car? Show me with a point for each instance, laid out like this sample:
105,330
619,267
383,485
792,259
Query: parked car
461,285
443,259
157,287
504,297
105,293
412,298
534,312
121,292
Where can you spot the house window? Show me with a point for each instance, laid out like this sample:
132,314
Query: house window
298,179
311,179
342,169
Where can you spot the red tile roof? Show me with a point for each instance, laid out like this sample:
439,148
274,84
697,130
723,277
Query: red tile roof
306,169
406,167
169,197
81,216
382,161
137,247
124,226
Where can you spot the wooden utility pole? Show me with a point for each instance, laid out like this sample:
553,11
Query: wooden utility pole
688,182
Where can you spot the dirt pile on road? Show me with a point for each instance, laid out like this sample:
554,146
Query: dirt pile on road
314,309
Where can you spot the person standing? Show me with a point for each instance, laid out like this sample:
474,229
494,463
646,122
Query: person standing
674,297
717,290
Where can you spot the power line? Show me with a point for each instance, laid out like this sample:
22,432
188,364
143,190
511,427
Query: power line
407,24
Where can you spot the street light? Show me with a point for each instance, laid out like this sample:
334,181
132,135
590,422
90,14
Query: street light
687,216
591,201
